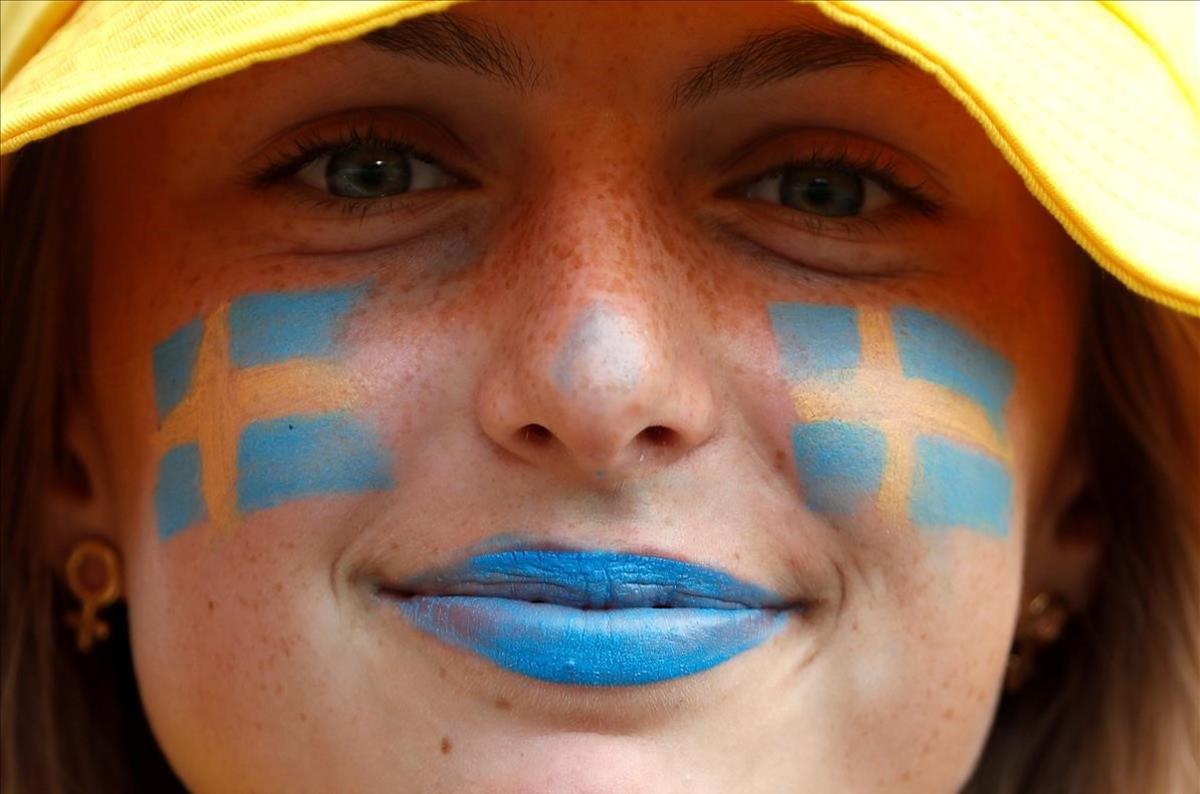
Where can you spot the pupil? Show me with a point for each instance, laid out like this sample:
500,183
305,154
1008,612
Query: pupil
822,191
367,172
818,191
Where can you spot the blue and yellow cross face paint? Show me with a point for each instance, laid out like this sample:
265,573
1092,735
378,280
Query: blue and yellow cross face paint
255,412
899,409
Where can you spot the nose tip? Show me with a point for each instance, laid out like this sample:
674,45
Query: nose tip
609,400
603,353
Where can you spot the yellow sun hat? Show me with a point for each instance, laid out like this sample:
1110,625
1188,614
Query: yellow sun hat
1095,104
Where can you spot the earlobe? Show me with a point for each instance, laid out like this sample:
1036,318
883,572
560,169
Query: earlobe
78,497
1064,547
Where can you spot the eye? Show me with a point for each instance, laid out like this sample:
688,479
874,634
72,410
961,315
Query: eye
830,192
371,170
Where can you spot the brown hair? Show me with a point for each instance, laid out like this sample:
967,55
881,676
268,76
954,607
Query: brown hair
1114,707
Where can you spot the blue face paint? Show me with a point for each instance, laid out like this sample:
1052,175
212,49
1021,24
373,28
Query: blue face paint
863,435
565,645
177,494
595,579
270,327
603,351
211,387
955,486
815,340
293,457
840,464
593,618
174,360
934,350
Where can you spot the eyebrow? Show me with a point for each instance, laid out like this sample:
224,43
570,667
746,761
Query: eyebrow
775,56
760,60
455,41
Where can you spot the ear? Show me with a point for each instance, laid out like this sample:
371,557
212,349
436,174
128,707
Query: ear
1065,542
79,500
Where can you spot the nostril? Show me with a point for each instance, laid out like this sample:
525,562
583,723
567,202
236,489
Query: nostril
658,436
538,435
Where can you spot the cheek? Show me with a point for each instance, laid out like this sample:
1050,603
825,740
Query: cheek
899,417
228,633
900,444
914,674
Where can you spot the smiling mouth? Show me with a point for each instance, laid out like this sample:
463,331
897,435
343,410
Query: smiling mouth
593,618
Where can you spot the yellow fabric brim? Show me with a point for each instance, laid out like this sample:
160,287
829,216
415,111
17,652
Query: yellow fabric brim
1093,103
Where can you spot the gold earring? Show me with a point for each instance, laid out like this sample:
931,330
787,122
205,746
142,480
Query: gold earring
94,577
1040,624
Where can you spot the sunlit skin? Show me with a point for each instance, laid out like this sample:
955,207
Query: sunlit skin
592,270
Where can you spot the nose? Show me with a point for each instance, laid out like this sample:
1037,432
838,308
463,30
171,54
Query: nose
601,374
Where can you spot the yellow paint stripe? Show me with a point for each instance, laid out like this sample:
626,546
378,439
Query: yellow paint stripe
217,422
896,482
871,398
296,387
180,425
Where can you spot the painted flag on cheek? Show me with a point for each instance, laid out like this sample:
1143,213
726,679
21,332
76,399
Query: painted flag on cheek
254,411
899,409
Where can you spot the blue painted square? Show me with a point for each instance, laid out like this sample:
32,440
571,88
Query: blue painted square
932,349
270,327
178,499
294,457
955,486
174,361
839,464
815,340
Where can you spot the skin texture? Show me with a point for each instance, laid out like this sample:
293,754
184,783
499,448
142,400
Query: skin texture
592,276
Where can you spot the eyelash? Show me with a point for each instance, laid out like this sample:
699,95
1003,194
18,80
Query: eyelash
876,166
311,146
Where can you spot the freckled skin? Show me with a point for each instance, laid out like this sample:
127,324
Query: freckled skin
262,660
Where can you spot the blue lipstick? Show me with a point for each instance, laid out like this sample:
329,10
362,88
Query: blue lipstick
592,618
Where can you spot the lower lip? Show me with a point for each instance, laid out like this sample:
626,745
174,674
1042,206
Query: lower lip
592,647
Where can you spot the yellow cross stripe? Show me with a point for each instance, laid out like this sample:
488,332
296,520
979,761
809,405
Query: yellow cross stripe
868,397
222,399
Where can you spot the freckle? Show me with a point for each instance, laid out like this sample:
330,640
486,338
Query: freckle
503,704
780,460
446,745
303,717
948,714
211,606
737,555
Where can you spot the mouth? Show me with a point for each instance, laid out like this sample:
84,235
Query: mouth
591,617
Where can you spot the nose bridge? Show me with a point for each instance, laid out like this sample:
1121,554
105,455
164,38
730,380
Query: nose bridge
593,373
592,274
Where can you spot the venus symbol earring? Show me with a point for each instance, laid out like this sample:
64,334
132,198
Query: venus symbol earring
94,577
1040,624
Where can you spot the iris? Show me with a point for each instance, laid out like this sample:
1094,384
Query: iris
822,191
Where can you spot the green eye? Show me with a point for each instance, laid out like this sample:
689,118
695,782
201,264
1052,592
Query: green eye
822,191
369,170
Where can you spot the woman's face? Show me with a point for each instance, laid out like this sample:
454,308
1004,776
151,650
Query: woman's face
753,374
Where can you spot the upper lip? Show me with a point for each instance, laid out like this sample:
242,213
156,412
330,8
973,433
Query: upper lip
590,579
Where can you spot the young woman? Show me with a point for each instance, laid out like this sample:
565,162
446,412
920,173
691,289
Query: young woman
596,397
